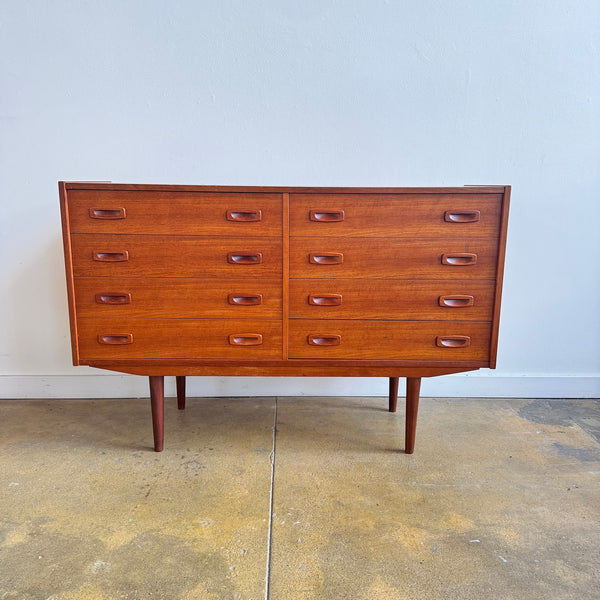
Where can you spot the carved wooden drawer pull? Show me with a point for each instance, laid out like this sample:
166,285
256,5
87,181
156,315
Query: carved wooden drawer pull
325,299
462,216
244,216
107,213
459,259
116,339
325,340
245,299
456,301
244,258
327,216
111,256
454,341
246,339
326,258
113,298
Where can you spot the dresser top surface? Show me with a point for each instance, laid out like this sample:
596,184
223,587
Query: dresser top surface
107,185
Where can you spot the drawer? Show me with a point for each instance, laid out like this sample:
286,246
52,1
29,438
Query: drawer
172,297
174,213
390,340
398,215
392,299
105,255
178,338
391,258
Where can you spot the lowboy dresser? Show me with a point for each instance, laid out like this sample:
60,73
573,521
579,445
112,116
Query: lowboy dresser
173,280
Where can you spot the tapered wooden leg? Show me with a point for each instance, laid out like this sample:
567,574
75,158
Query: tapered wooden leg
157,402
413,387
180,380
393,393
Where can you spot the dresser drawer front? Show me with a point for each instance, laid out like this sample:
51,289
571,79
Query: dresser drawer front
172,297
105,255
390,258
178,338
391,299
385,215
175,213
390,340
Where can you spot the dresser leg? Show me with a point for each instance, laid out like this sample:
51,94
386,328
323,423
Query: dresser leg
157,402
393,393
180,380
413,387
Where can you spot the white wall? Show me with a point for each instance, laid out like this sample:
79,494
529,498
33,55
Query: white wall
309,92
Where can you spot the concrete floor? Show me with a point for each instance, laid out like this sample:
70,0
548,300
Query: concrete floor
500,500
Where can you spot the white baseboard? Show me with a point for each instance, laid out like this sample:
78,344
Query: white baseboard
467,385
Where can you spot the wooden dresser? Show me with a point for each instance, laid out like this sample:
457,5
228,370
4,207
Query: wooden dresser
281,281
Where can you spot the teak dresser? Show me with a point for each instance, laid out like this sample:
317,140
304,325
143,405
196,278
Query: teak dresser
214,280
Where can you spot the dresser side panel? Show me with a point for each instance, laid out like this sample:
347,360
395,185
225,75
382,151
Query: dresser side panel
499,276
285,275
68,254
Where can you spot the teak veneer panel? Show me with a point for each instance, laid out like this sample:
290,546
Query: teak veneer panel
176,213
395,215
392,258
179,338
178,298
284,281
169,256
293,367
394,299
388,340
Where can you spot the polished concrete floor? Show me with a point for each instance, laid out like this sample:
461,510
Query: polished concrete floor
500,500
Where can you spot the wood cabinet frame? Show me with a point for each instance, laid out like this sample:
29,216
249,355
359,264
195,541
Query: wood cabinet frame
286,215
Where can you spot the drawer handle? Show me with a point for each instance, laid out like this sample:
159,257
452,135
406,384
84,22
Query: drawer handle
244,258
107,213
326,258
112,299
462,216
111,256
331,216
116,339
455,341
460,259
249,300
456,301
325,300
244,216
246,339
325,340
